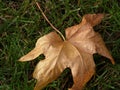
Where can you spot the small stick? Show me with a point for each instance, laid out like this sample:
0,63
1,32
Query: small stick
38,5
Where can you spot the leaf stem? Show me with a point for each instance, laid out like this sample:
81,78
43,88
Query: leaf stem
38,5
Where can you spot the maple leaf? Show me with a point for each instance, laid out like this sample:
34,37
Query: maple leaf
76,53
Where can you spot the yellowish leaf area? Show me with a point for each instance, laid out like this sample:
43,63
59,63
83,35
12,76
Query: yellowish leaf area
76,53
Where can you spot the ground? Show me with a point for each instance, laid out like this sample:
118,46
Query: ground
21,24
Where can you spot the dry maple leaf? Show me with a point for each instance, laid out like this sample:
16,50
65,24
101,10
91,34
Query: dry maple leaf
76,53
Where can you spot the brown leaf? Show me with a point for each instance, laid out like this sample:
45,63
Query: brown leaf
76,53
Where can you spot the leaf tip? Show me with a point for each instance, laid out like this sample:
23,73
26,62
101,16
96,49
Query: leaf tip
112,61
22,59
93,19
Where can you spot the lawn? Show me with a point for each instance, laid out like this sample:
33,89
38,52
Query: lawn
21,24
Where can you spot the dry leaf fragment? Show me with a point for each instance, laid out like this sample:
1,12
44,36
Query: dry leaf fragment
76,52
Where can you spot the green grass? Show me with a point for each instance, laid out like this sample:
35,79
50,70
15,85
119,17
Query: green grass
21,24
